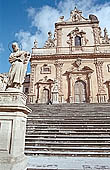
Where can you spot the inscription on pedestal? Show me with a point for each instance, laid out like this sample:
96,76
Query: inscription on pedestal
5,135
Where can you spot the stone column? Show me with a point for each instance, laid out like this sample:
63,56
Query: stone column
61,82
59,40
13,114
101,96
88,88
32,96
70,90
55,95
59,66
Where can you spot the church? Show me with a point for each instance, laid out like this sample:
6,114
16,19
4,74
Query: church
74,64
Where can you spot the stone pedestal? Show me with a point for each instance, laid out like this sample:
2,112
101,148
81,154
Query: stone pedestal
55,97
13,114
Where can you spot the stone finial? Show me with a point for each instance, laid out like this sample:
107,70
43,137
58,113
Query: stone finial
75,15
35,44
106,36
49,34
61,18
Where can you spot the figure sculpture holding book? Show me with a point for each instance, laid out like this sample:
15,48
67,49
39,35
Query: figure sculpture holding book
19,60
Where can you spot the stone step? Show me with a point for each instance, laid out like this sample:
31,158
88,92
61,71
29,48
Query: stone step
69,140
70,119
40,168
66,148
68,124
70,112
67,144
33,129
67,127
66,136
56,153
47,133
73,117
49,169
68,130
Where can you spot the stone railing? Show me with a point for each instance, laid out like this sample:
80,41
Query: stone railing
73,50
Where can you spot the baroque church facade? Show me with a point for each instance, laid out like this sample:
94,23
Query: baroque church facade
74,65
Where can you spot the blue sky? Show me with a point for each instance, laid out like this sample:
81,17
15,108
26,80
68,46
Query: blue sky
27,20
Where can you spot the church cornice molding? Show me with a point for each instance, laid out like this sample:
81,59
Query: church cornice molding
70,56
76,23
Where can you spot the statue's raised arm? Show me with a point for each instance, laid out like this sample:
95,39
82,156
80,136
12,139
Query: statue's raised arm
19,60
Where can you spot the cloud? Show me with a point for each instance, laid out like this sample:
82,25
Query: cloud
43,19
1,48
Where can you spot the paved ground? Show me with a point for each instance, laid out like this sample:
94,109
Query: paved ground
68,163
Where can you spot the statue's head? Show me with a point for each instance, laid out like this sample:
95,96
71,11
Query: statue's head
15,46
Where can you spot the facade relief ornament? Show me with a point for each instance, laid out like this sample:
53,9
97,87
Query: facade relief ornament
3,81
50,43
77,33
76,15
100,77
105,39
97,34
35,44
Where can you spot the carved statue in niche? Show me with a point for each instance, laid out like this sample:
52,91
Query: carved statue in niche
50,42
19,60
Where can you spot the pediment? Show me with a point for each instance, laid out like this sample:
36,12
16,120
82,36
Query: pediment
76,16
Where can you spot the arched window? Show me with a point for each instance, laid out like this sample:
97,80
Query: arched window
77,41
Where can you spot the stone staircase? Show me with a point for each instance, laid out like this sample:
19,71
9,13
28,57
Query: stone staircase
68,130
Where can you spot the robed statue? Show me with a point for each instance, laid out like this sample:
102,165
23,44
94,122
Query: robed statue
19,60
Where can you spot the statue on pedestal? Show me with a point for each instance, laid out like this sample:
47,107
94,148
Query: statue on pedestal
19,60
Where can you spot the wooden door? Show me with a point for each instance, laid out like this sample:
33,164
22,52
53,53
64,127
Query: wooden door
80,92
45,96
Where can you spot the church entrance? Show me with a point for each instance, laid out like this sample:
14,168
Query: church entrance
45,96
80,92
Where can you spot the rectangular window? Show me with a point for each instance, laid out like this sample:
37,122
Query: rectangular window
45,70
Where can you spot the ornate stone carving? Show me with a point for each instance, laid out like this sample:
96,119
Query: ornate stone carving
100,78
97,34
35,44
105,39
93,18
76,15
73,34
3,81
32,77
59,66
59,37
12,98
50,42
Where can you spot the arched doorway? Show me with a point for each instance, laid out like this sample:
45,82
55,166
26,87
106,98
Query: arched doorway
80,92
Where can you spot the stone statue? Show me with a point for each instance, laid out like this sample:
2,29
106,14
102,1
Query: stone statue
3,81
19,60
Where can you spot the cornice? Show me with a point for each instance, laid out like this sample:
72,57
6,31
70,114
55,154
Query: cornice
70,56
75,23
